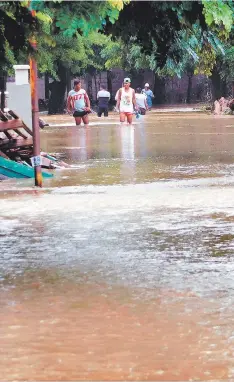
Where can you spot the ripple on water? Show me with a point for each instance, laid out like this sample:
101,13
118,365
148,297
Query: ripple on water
121,282
165,235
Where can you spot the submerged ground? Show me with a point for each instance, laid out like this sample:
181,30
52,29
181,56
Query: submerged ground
122,267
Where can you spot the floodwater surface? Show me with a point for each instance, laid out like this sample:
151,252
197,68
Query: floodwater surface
121,267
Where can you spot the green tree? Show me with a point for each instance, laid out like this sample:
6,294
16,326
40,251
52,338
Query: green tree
166,37
173,38
58,27
157,26
18,24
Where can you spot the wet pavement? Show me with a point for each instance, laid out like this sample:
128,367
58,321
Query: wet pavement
121,268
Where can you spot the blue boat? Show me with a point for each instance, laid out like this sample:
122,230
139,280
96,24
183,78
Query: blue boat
13,169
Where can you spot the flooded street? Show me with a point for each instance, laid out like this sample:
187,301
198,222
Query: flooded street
121,267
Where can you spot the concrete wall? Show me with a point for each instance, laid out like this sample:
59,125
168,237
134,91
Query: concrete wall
175,89
41,87
19,100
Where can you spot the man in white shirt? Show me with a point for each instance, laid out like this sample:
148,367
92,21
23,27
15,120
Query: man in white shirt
141,102
103,98
126,102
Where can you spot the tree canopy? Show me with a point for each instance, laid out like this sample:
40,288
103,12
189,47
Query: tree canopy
169,33
50,22
167,37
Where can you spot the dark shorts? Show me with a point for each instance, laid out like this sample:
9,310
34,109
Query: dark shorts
102,110
80,113
142,111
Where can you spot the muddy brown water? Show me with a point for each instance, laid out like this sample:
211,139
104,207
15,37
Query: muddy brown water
122,267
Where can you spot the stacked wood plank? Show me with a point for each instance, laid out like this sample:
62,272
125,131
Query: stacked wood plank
15,138
16,142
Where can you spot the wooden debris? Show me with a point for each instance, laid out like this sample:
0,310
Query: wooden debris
16,142
16,138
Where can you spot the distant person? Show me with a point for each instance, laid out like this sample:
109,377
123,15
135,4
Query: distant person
224,104
217,108
103,97
141,102
221,106
79,104
126,102
149,94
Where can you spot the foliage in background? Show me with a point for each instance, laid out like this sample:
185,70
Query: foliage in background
226,63
169,38
55,22
16,24
219,16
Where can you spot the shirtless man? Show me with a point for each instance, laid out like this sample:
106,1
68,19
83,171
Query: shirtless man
78,102
126,102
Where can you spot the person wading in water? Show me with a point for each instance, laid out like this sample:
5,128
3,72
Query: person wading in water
149,94
103,97
141,101
78,102
126,102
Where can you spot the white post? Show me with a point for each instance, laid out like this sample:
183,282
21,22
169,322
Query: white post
6,109
21,74
19,97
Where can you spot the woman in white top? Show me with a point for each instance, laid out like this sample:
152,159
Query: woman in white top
126,102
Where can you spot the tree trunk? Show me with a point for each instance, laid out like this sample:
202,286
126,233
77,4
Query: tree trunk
90,87
57,97
95,83
224,87
159,90
2,90
189,88
57,92
47,90
137,78
219,86
109,83
68,80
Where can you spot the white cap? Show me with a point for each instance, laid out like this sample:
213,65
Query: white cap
147,85
127,80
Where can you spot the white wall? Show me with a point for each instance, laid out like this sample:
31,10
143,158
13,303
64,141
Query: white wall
19,100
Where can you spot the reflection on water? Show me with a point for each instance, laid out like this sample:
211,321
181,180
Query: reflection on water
122,268
127,134
159,148
127,167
